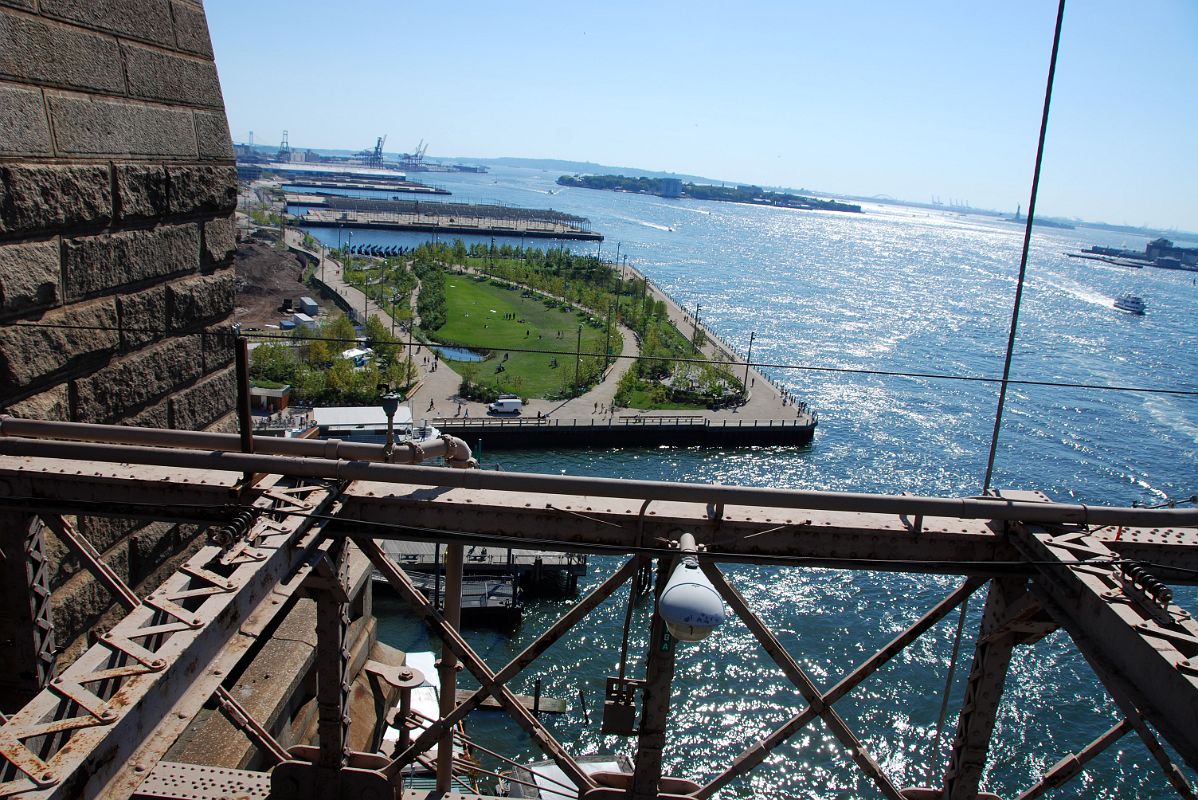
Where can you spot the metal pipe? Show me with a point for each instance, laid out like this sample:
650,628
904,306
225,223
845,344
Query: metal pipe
452,604
453,449
315,467
244,418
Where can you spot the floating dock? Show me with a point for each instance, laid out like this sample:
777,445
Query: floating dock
486,599
535,568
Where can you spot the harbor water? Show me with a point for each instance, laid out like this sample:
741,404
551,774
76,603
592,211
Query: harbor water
896,290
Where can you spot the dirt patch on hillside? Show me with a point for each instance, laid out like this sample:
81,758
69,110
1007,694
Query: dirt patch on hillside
265,277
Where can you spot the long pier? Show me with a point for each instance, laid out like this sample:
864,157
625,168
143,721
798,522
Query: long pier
405,187
480,226
629,430
435,217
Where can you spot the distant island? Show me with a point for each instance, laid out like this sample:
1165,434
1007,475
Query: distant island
674,187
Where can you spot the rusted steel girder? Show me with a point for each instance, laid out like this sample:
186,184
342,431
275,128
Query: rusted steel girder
403,585
983,691
90,557
199,494
456,451
758,752
252,728
448,668
28,659
984,508
517,665
1143,643
331,591
655,703
1071,765
161,662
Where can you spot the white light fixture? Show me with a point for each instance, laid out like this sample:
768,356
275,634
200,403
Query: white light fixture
690,606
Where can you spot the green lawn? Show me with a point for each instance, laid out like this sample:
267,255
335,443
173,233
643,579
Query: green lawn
476,314
639,398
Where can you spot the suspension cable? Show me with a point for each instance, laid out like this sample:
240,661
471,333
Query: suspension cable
1027,241
948,685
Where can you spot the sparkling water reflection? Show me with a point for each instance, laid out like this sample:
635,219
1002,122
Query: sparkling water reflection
893,289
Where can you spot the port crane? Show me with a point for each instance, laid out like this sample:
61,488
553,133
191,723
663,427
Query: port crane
374,158
416,157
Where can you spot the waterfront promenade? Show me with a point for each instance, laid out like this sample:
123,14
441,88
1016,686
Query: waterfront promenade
435,396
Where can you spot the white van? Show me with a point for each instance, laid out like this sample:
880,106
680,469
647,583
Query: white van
506,404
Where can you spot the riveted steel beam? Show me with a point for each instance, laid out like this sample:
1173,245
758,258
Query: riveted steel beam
104,722
759,751
802,681
469,659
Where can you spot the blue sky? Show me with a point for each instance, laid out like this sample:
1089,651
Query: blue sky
866,97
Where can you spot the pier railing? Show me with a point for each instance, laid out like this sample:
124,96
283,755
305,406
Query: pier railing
627,421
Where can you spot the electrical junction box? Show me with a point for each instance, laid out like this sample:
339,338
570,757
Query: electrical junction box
619,706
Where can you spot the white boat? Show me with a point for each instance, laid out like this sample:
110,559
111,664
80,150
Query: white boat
1130,303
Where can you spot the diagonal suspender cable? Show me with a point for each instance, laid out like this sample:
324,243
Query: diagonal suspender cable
934,761
1027,240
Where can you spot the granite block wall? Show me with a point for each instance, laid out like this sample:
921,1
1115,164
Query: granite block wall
117,190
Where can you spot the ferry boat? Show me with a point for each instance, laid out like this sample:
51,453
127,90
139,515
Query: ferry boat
1130,303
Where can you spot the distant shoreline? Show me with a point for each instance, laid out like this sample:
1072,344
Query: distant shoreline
672,188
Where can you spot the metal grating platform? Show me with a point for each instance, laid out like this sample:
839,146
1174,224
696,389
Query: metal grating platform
172,781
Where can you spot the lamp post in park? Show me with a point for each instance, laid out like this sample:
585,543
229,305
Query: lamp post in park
578,358
749,359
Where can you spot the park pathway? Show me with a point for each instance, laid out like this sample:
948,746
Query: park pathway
436,393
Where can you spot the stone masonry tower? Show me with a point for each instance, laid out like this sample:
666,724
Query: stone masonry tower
117,188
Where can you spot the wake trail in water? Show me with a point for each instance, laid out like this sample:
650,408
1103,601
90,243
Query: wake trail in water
702,211
1079,292
1166,413
646,223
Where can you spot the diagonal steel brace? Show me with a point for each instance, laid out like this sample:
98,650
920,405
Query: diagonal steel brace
758,752
88,554
801,680
454,641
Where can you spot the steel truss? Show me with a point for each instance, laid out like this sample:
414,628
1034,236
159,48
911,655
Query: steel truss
102,726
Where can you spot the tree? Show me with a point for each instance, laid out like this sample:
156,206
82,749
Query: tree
381,340
273,362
